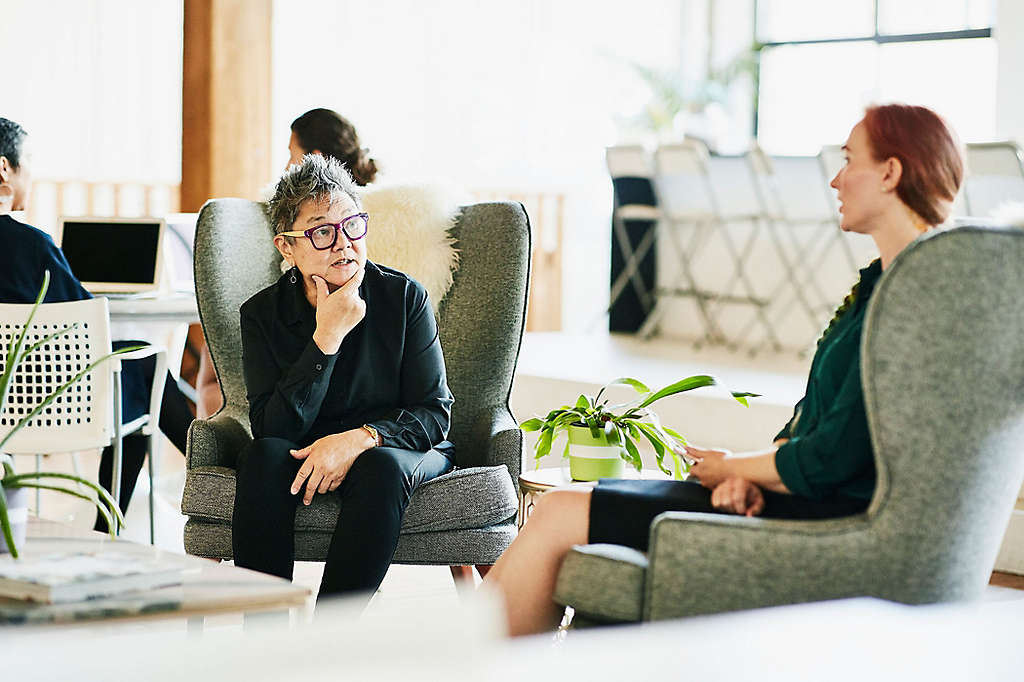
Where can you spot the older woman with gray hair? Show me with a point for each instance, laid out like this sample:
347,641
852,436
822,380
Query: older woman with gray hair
346,386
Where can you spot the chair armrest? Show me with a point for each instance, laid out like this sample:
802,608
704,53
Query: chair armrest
503,439
156,391
216,441
710,563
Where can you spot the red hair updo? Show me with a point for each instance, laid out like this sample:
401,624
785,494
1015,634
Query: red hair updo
933,165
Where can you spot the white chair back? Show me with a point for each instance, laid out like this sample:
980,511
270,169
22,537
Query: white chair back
628,161
681,179
82,417
995,175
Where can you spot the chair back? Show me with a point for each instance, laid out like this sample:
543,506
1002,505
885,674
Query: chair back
943,368
682,182
82,417
995,175
235,257
480,319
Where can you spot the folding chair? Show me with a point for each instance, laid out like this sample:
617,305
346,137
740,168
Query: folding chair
88,414
995,175
713,194
635,216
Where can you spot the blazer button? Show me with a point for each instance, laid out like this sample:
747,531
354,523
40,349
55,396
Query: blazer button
319,367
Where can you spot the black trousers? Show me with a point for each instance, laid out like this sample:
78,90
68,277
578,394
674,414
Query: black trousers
374,496
175,418
621,510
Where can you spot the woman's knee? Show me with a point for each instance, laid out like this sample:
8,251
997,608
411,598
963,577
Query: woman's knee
266,460
561,506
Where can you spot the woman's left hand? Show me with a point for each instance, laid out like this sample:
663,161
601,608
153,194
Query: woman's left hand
327,462
712,465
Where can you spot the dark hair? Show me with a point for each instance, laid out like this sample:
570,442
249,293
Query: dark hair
933,166
12,136
316,178
329,133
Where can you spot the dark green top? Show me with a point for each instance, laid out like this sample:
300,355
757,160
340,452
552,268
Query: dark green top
829,451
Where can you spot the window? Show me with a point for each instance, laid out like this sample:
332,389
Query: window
822,63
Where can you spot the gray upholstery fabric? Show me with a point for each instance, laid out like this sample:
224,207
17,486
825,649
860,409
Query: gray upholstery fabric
603,582
943,367
460,518
466,498
452,547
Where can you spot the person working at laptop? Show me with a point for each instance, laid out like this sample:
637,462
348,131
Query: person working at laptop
27,254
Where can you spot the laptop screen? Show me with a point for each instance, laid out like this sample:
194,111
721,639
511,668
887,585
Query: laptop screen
109,255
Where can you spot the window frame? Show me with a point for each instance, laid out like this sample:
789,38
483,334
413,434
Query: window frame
877,37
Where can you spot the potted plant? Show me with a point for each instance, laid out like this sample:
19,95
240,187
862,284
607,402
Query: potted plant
13,497
600,437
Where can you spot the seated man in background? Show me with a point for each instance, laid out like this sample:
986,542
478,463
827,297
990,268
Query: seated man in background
27,254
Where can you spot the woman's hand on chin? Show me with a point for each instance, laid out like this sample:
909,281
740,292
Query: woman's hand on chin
328,461
337,313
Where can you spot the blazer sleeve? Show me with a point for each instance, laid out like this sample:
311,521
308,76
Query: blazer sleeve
283,401
423,420
64,286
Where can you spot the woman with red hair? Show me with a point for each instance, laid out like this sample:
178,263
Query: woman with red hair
903,168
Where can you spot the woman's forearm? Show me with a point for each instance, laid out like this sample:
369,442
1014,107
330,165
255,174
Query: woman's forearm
758,468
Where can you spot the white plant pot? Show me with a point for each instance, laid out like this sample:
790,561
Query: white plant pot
17,514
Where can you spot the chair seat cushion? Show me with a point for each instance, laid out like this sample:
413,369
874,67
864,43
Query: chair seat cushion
603,582
465,498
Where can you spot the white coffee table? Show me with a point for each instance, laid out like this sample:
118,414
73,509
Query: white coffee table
208,587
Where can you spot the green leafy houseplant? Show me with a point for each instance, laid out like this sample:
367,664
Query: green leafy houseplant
45,480
624,424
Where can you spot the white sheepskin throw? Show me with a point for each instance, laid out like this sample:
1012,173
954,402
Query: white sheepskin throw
410,231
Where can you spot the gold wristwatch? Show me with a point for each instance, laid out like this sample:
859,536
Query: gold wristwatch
373,432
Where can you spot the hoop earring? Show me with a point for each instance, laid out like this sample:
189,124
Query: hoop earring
293,279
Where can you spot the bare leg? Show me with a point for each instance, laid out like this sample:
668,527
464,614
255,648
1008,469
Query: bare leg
526,573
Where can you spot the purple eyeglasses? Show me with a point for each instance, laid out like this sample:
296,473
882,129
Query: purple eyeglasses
325,236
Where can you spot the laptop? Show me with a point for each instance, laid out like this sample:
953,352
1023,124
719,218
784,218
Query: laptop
121,256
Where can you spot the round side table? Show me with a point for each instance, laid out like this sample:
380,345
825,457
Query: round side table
536,482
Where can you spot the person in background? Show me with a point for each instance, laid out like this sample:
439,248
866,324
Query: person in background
903,169
318,131
29,252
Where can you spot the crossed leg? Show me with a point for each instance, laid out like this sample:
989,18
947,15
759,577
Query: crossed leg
526,573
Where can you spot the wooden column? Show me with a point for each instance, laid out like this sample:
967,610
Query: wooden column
225,135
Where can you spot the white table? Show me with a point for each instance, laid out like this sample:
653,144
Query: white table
207,588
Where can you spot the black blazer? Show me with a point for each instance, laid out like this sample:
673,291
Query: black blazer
389,372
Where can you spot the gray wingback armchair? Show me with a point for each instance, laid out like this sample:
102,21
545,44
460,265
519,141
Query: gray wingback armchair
943,377
464,517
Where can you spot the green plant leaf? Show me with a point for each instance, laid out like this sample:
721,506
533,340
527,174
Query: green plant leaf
634,454
687,384
638,386
679,465
583,401
544,442
5,524
675,434
17,480
741,397
74,493
531,425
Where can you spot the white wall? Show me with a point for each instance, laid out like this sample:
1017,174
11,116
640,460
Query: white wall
1010,94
